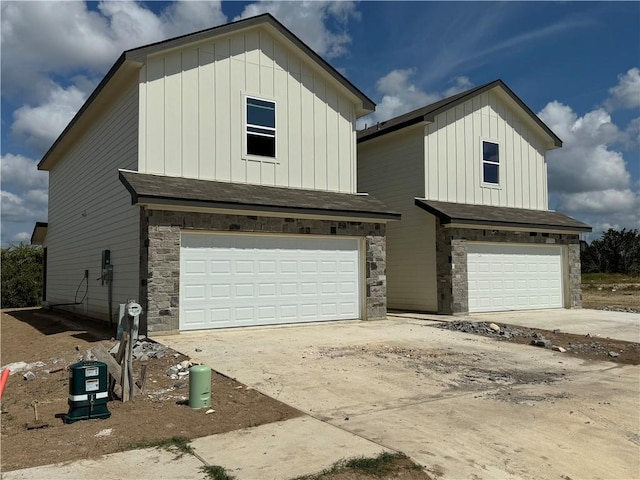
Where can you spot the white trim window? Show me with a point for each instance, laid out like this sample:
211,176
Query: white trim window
490,163
260,127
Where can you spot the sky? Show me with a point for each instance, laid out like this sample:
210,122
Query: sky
576,64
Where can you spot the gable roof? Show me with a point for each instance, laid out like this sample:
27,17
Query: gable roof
429,112
149,189
132,60
462,213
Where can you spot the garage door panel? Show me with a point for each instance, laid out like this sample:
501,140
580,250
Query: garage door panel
529,277
259,280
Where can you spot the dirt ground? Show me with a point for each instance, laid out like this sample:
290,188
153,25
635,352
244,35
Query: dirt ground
624,300
34,335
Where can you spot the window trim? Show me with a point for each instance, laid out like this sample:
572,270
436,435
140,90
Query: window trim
246,125
499,163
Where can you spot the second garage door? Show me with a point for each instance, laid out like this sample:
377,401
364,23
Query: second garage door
514,277
229,280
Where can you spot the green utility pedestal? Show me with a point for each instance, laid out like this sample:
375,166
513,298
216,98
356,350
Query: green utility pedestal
200,386
88,391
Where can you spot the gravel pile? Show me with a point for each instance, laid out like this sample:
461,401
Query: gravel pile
486,328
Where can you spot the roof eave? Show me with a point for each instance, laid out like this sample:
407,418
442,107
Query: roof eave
39,233
429,117
446,219
49,158
155,200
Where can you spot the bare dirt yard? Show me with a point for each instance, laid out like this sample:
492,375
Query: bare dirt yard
33,335
611,292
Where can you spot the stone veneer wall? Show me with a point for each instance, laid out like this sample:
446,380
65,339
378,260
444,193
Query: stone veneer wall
160,256
451,262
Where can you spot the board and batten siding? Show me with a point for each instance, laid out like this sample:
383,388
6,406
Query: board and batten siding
453,146
192,115
90,211
391,168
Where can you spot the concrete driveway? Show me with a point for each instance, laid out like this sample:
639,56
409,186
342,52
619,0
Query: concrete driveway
599,323
463,406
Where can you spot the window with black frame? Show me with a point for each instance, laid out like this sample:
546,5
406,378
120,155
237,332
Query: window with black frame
261,127
490,163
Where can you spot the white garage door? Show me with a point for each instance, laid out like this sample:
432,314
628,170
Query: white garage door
239,280
514,277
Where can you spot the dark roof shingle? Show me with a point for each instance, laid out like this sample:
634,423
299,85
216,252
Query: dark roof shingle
464,213
163,190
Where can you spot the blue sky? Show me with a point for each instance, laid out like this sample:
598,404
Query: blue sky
576,64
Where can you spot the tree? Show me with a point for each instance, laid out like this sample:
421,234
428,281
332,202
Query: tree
21,275
615,252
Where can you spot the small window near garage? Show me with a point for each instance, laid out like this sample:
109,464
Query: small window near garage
490,163
261,127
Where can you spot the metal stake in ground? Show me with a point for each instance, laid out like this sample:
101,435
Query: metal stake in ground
37,423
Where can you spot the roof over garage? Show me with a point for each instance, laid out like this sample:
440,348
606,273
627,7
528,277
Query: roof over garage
462,213
158,190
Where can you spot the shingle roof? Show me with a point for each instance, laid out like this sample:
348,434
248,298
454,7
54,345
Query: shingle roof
463,213
163,190
429,112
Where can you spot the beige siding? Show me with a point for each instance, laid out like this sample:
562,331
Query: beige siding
391,168
192,115
453,144
90,210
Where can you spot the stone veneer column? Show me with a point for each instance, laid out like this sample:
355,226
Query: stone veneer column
376,277
160,245
575,276
444,271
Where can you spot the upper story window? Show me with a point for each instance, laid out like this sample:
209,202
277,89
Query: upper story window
490,163
261,127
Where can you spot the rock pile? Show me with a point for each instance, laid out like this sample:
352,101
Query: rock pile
484,328
144,349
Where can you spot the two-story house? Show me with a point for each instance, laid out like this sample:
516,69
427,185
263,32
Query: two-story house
212,177
469,175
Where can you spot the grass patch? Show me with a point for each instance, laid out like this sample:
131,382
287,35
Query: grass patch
173,444
215,472
609,278
379,466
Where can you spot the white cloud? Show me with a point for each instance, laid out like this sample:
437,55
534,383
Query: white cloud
585,162
21,237
400,95
626,94
600,202
310,21
588,178
460,84
32,206
43,38
41,125
21,172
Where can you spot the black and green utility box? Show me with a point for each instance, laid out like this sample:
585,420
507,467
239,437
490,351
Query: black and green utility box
88,391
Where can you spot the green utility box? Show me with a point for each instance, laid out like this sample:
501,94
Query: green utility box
88,391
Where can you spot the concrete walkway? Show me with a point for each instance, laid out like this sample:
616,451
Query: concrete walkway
281,450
